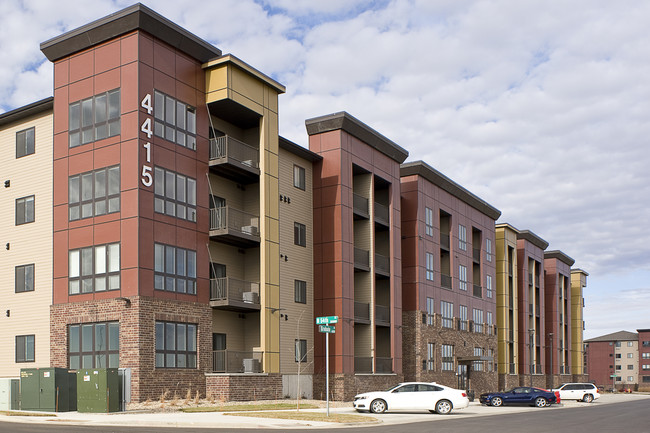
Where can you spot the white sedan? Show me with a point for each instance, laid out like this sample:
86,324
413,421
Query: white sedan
413,396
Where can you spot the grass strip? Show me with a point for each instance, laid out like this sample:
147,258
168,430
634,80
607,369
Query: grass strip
310,416
247,407
14,413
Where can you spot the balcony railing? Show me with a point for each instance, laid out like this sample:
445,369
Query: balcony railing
382,315
447,322
382,264
231,361
383,365
231,293
445,281
360,205
363,364
381,214
234,223
478,291
476,255
463,325
361,259
226,147
444,241
361,312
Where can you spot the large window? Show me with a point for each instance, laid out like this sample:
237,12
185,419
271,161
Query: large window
428,221
430,362
447,355
645,355
299,234
462,277
24,278
478,365
94,345
462,237
175,345
430,311
299,177
94,193
477,315
429,258
488,285
174,269
175,194
301,350
462,317
94,118
94,269
25,345
174,121
25,210
447,313
25,142
300,291
488,250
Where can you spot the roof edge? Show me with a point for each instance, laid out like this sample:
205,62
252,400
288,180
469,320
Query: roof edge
27,110
531,237
298,150
559,255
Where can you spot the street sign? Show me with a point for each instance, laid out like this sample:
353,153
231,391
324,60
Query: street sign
327,320
612,376
327,329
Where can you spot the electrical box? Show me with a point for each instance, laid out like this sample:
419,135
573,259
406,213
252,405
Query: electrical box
9,394
47,389
98,390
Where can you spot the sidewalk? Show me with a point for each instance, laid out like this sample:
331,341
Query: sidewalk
222,420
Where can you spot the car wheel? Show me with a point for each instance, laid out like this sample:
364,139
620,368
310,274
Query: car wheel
588,398
378,406
540,402
443,407
496,401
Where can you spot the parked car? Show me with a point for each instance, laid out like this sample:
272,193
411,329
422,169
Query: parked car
413,396
586,392
520,395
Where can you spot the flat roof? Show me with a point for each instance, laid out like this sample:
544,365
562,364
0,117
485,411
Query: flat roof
429,173
229,58
532,238
297,149
136,17
353,126
559,255
579,271
26,111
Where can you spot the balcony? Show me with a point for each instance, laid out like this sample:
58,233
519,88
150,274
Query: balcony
382,265
444,241
381,214
363,364
362,312
382,315
476,255
445,281
234,295
234,159
234,227
361,260
477,291
383,365
360,206
231,361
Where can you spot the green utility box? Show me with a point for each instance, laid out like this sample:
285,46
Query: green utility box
9,394
48,389
98,390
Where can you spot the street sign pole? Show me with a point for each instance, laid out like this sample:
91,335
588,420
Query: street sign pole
327,371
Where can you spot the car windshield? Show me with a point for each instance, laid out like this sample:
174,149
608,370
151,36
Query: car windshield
393,387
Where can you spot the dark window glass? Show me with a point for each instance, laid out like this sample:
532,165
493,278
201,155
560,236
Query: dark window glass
300,291
25,348
174,121
301,350
94,269
25,142
94,118
25,210
94,345
299,234
174,194
299,177
174,269
94,193
24,278
175,345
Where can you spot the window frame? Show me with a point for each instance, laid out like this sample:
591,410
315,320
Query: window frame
429,261
447,314
462,277
176,353
24,278
24,148
300,291
300,350
109,198
22,209
488,250
488,286
168,200
109,352
25,345
94,275
477,318
299,234
299,177
431,306
447,364
188,277
462,317
431,354
168,119
428,221
462,237
112,121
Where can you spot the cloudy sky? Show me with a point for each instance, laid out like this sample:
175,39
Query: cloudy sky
539,107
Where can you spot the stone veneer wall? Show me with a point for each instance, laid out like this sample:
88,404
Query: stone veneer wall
243,387
343,387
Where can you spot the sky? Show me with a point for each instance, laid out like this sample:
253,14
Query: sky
541,108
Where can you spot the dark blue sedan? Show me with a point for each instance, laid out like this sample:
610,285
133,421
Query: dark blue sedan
520,395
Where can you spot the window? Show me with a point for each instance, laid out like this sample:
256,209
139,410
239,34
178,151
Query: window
645,344
25,348
94,118
175,345
477,315
301,350
646,379
644,367
299,234
94,193
24,278
645,355
300,291
462,277
489,323
174,194
94,269
430,311
428,221
618,344
492,366
429,258
618,367
94,345
630,378
630,344
447,355
174,269
630,367
25,142
488,286
630,355
462,237
299,177
25,210
488,250
618,356
477,365
447,313
174,121
429,366
462,316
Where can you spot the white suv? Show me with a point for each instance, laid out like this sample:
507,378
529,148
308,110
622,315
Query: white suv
586,392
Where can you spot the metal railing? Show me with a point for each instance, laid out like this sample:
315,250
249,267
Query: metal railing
463,325
381,213
478,328
224,147
226,217
383,365
447,322
228,288
382,314
231,361
382,263
445,281
478,291
363,364
360,204
361,258
444,240
361,311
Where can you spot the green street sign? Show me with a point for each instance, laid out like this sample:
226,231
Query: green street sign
327,320
612,376
327,329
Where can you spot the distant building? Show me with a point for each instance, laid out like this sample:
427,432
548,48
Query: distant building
613,360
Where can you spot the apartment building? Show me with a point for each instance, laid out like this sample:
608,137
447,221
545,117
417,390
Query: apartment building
578,283
449,281
25,237
357,254
613,360
644,359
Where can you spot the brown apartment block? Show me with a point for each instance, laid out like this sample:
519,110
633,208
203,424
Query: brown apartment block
357,254
644,359
613,360
449,282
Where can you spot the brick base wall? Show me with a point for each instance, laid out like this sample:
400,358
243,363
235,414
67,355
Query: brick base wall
343,387
243,387
508,381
